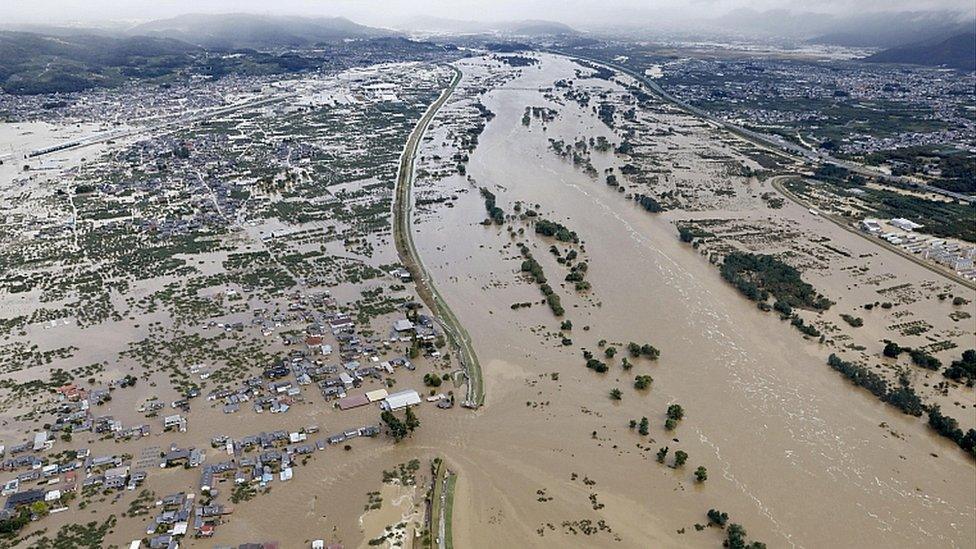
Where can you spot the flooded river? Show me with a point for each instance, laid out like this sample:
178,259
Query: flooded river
794,453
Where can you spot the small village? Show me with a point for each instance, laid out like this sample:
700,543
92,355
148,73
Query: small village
330,365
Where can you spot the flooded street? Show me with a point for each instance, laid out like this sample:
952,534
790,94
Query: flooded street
794,453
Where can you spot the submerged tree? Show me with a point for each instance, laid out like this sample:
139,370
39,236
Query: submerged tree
701,474
397,429
410,420
643,382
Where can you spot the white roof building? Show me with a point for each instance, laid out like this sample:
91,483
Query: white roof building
401,399
905,224
402,325
41,441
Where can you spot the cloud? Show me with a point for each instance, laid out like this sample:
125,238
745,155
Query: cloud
578,12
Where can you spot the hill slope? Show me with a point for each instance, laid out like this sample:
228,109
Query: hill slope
239,30
36,63
957,52
527,27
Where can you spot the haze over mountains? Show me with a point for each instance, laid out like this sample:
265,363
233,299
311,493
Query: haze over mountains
241,30
873,29
956,52
523,27
63,58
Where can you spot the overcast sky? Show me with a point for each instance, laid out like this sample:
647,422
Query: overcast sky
388,12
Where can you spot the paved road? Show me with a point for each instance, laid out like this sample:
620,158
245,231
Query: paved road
802,154
403,237
772,142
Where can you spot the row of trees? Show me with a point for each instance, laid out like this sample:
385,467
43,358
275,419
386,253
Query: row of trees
949,428
962,370
902,397
494,212
531,266
648,203
557,230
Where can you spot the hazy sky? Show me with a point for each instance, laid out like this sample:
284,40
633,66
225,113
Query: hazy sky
386,12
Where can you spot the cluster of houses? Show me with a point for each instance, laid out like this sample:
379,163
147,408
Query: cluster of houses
279,386
176,515
258,459
261,459
946,253
53,483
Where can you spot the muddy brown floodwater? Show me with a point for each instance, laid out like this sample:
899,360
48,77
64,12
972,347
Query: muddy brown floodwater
794,452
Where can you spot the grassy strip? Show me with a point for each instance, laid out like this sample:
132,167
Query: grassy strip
435,506
449,512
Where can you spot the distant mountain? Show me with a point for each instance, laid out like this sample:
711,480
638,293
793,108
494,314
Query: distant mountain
240,30
539,28
957,52
530,27
36,63
888,30
873,29
774,23
72,60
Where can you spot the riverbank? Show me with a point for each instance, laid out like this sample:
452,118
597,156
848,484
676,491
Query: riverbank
403,238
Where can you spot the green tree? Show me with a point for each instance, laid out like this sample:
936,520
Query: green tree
736,537
661,454
676,412
643,382
610,352
397,429
892,350
701,474
644,428
615,394
680,457
39,508
410,420
634,349
718,518
650,351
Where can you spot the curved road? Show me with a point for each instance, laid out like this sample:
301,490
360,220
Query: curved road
795,152
403,238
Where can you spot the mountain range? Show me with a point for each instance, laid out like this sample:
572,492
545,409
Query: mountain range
241,30
527,27
956,52
870,29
